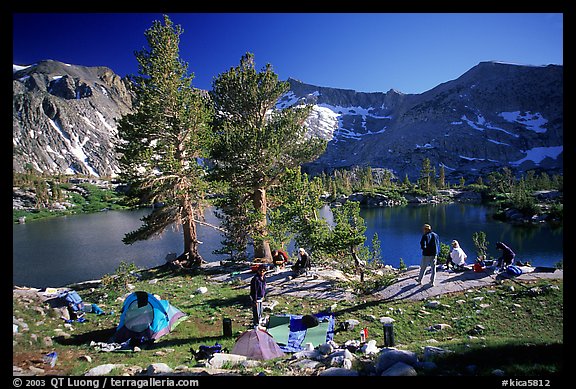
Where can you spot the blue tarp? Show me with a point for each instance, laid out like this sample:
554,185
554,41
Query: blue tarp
298,331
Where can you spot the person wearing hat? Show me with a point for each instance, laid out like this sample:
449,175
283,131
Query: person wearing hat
430,245
303,262
257,293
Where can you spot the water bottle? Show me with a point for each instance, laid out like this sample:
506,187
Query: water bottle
51,358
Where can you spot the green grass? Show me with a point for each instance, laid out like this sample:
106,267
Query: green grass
523,331
96,200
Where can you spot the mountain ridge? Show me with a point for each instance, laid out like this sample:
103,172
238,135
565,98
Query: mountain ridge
494,115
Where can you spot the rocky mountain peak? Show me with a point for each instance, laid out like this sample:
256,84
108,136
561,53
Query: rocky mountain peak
64,118
494,115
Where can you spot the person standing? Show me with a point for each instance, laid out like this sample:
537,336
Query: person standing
257,293
430,245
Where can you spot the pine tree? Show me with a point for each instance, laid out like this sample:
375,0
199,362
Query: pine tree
426,176
163,141
347,236
257,143
442,178
376,254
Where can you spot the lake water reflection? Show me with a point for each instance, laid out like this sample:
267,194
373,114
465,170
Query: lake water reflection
59,251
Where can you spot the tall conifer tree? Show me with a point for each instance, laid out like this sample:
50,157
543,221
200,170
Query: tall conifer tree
257,143
163,141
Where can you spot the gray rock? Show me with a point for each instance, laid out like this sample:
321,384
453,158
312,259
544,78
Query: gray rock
36,370
201,290
218,360
389,356
103,369
386,320
400,369
158,368
312,354
338,371
306,364
427,366
439,327
325,348
431,352
250,363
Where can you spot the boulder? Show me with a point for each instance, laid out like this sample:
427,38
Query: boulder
390,356
400,369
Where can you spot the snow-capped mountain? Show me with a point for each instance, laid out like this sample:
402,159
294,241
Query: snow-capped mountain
494,115
64,118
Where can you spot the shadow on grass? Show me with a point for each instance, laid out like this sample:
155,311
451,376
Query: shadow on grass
513,359
105,335
240,301
85,338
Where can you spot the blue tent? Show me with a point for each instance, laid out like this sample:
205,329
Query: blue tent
146,318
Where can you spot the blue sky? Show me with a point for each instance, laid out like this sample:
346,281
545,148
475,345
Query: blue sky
370,52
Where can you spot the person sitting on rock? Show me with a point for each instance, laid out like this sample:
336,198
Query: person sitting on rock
279,258
457,257
303,262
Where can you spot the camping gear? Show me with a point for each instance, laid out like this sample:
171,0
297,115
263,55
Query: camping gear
363,334
513,270
146,318
291,334
51,358
279,328
389,334
227,327
72,300
206,352
257,344
310,321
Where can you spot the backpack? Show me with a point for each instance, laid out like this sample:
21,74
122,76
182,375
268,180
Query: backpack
513,270
72,300
206,352
478,267
310,321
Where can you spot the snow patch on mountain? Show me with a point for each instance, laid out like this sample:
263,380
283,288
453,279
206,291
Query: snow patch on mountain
532,121
538,154
74,147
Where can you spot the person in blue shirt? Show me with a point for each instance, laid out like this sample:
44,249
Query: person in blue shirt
257,293
430,245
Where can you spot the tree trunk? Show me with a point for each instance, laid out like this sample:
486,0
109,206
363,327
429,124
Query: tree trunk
261,246
190,254
357,263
